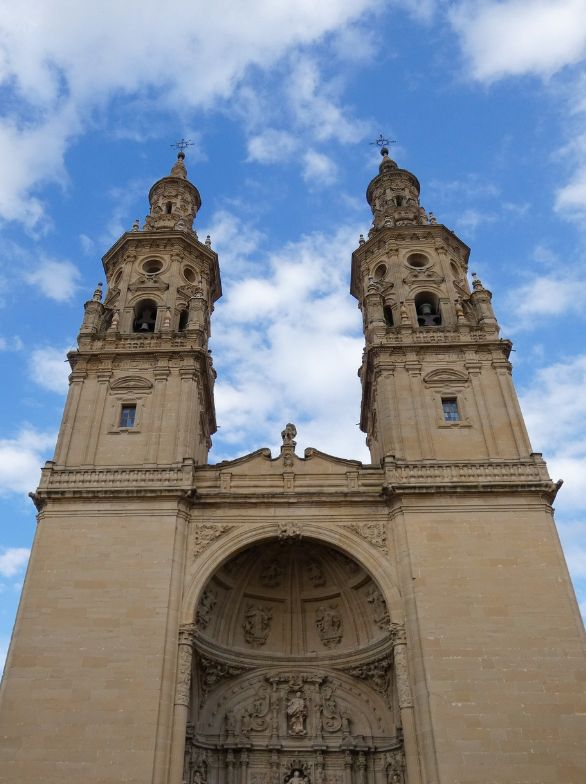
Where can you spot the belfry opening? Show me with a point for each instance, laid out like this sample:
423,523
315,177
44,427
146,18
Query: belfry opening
292,671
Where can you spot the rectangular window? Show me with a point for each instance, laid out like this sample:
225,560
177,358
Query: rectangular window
128,415
450,409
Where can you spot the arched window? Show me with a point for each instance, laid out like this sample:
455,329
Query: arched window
388,314
169,207
145,316
428,309
183,319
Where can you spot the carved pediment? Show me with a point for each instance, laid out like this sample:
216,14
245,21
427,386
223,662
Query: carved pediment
131,383
443,376
148,283
426,275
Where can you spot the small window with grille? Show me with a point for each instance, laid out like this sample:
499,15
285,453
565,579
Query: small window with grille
128,415
450,409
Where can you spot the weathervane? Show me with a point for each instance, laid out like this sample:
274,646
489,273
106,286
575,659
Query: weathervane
382,142
182,144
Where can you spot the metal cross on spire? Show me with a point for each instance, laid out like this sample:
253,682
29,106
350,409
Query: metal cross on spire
382,142
182,144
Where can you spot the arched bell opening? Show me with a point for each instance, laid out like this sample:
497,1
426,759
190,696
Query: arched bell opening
292,661
145,316
428,309
183,319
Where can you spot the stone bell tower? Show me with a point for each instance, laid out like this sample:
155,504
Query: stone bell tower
436,379
288,619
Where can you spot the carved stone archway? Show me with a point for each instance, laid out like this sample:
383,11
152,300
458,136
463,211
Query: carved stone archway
292,672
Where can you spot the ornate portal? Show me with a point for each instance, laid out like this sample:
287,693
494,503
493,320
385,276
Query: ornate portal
293,668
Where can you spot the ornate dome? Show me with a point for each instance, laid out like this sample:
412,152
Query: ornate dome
294,600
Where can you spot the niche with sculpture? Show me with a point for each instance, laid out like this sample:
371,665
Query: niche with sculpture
293,673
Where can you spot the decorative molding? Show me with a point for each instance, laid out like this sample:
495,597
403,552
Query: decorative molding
443,376
289,532
206,533
131,383
373,532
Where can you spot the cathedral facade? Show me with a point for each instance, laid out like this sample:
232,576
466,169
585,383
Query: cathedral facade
295,618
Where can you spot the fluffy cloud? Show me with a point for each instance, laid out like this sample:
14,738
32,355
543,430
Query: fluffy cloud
56,89
48,367
290,342
271,146
12,560
21,459
546,295
57,280
520,36
318,169
559,388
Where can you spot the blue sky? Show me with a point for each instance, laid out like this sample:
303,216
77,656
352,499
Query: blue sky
488,103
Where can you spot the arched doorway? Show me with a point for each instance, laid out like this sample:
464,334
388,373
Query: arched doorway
292,675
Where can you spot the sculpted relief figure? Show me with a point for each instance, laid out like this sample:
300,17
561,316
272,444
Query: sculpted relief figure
329,625
257,624
296,715
288,434
297,777
315,574
271,574
380,612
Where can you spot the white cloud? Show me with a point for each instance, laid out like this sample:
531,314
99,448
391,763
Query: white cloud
315,105
56,89
544,295
49,368
232,239
290,340
13,343
318,169
555,413
271,146
12,560
518,37
21,459
57,280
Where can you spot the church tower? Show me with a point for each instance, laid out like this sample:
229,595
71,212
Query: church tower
295,619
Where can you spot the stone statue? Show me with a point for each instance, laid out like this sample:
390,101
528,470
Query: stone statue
288,434
297,777
329,625
296,714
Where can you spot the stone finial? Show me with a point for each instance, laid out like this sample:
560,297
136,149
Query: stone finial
167,319
115,320
97,295
477,283
288,434
208,241
361,240
136,225
178,169
432,218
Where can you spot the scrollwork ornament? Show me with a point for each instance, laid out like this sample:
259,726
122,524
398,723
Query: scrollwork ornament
205,534
373,532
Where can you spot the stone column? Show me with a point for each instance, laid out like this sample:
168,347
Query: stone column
401,670
361,768
244,766
229,767
348,767
182,701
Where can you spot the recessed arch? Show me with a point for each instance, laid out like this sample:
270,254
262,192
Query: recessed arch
231,542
